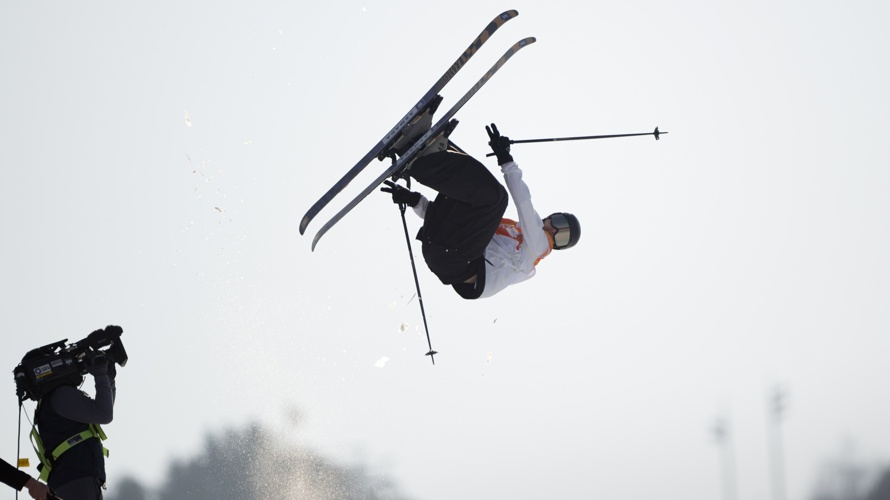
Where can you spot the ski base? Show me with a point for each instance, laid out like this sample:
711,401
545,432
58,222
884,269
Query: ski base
379,150
396,169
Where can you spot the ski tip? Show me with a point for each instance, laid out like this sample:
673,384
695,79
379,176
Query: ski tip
510,14
303,224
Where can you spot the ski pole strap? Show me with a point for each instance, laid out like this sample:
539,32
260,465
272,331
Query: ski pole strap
46,463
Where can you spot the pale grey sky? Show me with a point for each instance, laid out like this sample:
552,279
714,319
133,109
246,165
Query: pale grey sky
745,250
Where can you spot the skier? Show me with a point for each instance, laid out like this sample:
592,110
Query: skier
466,242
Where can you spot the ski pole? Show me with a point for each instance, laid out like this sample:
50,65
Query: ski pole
402,208
656,133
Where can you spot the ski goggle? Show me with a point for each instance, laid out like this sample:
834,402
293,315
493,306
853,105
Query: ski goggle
562,235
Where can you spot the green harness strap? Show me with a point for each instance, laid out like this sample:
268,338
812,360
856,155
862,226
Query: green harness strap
94,431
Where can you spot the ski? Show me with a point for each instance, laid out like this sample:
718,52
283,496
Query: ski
443,126
425,102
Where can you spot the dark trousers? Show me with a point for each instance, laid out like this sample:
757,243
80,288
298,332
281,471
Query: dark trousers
463,218
84,488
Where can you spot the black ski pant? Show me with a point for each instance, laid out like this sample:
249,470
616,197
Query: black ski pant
84,488
463,218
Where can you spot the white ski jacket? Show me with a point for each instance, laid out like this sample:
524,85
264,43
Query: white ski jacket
516,247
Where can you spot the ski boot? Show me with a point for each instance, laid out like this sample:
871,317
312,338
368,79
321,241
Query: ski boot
416,128
435,144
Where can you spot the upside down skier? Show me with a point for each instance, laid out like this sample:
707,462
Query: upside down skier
466,241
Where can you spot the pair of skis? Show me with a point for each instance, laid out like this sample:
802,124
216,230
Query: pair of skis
444,126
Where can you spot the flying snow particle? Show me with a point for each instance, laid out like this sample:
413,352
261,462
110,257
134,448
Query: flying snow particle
219,209
403,327
488,359
188,119
381,362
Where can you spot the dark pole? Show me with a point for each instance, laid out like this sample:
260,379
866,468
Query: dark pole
656,133
724,440
426,327
777,403
402,208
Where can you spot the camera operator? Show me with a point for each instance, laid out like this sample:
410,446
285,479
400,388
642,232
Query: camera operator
67,412
20,479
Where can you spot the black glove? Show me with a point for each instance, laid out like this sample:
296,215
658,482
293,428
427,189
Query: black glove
112,369
96,363
499,144
401,195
